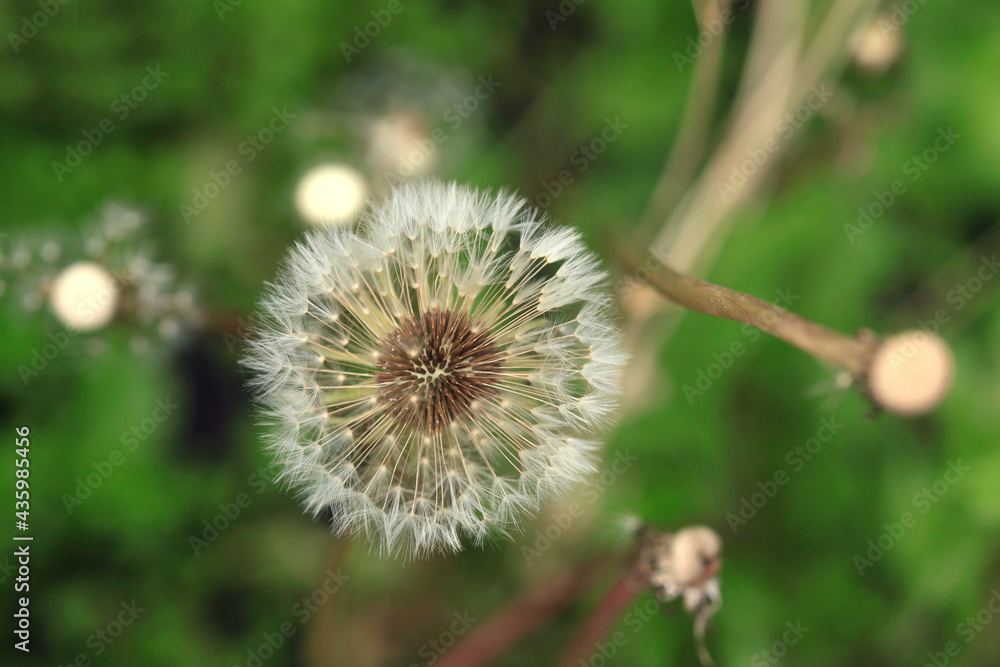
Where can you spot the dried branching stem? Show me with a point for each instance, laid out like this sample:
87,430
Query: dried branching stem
909,373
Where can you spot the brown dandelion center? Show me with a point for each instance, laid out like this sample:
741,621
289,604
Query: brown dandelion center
434,366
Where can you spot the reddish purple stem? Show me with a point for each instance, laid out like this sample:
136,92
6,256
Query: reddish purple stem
604,617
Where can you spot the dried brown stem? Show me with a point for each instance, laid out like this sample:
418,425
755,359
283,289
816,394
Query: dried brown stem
497,635
909,373
852,354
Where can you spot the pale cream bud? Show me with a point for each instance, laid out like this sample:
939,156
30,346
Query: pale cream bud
694,552
911,372
331,194
84,296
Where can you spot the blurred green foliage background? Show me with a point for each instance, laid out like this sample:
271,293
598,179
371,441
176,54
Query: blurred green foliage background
229,66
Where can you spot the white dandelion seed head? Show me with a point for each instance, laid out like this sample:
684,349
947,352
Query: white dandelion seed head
401,142
439,373
84,296
331,194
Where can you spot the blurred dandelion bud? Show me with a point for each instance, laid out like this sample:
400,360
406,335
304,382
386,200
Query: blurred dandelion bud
84,296
100,277
911,372
400,143
331,194
440,373
686,564
685,561
876,48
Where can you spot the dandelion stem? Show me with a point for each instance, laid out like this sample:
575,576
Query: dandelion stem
605,615
852,354
497,635
909,373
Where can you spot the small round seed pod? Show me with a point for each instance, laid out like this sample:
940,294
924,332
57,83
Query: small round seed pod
911,372
84,296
